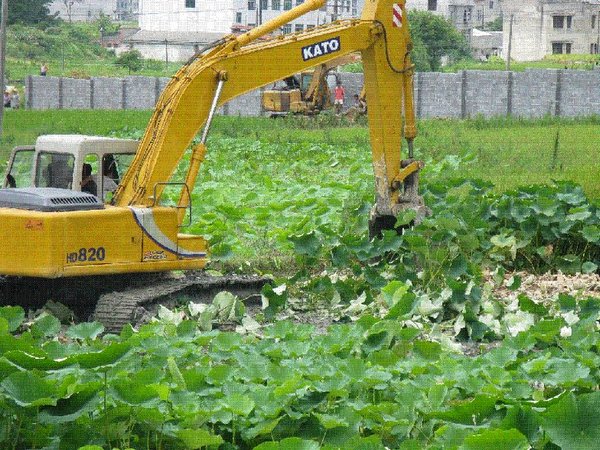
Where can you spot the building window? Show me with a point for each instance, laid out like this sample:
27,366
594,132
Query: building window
299,2
594,49
276,5
251,5
238,17
298,27
264,4
593,21
559,48
432,5
287,4
558,22
310,27
190,3
491,5
466,16
287,28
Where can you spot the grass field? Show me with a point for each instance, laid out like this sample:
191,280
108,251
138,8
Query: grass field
509,153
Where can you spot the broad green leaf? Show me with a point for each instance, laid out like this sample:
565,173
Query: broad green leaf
273,299
14,315
472,412
71,408
522,418
306,244
574,422
27,389
330,421
241,405
262,428
497,440
403,307
528,305
106,357
228,306
567,302
85,330
589,267
46,325
90,447
196,439
514,283
4,326
295,443
30,362
428,350
591,233
134,393
393,292
579,214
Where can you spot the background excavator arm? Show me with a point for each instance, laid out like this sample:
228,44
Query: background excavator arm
236,65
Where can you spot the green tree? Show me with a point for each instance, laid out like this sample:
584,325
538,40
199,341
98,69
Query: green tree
495,25
28,11
131,59
434,38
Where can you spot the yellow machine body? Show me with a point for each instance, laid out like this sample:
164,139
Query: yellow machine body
276,100
97,242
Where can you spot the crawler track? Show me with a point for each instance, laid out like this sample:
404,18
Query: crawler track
118,300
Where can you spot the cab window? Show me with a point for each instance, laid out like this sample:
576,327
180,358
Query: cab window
54,170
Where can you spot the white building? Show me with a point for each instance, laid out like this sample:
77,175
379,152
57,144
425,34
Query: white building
176,28
545,27
458,12
486,11
88,10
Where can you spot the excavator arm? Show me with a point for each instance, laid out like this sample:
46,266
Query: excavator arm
236,65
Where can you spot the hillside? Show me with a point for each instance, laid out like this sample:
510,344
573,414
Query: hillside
69,49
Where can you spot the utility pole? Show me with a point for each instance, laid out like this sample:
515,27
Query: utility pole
166,54
335,11
259,11
510,35
3,57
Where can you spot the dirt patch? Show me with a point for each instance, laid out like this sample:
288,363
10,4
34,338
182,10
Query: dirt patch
550,285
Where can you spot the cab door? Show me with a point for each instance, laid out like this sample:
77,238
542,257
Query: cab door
19,172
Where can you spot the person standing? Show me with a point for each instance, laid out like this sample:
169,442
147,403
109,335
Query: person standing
339,94
44,70
6,99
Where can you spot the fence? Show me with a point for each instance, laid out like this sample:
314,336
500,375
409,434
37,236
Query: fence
530,94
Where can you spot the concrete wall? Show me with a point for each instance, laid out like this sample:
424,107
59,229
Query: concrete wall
533,93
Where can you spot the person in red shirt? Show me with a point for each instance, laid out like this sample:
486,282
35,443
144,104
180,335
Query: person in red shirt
339,93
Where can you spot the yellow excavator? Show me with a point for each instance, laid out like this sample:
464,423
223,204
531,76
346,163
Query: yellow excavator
307,93
62,232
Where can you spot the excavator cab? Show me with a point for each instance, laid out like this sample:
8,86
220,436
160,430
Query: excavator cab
57,161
